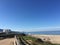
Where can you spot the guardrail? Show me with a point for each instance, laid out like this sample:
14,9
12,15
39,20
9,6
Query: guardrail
17,41
20,41
27,43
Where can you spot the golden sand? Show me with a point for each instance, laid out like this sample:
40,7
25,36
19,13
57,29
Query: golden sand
52,38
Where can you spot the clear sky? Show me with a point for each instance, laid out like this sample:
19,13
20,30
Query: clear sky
29,15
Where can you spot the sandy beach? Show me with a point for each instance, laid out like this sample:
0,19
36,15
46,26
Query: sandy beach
55,39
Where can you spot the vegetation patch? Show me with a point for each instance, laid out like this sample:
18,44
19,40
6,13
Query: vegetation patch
35,41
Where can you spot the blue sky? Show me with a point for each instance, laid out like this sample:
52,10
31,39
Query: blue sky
29,15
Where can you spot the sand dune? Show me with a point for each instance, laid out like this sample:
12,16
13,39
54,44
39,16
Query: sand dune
52,38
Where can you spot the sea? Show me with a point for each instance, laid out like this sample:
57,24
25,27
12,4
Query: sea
44,32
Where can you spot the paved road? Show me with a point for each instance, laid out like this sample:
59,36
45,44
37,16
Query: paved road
8,41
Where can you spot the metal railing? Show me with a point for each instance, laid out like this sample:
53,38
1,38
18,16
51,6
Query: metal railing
17,41
20,41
